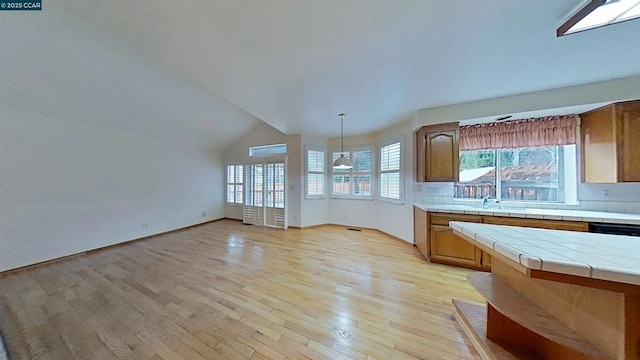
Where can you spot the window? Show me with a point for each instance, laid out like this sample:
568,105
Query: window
356,183
315,163
540,173
234,184
391,171
268,150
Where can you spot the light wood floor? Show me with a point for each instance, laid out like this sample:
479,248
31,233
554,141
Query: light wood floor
225,290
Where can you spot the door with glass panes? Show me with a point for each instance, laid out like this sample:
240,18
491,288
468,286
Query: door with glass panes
265,200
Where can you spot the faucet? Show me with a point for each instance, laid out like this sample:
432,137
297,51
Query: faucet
485,202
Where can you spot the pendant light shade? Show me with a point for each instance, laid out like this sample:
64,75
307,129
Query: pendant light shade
342,163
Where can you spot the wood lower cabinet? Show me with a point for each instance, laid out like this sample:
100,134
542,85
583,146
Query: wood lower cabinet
439,244
448,248
420,230
486,261
445,247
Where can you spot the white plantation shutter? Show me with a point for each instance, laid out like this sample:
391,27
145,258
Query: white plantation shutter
362,176
235,180
356,183
315,173
390,171
340,177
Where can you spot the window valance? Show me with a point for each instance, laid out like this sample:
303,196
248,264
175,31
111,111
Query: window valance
545,131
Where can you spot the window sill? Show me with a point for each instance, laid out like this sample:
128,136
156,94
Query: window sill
315,197
391,201
350,198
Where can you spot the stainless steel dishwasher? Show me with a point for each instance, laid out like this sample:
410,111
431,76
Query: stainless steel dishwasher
615,229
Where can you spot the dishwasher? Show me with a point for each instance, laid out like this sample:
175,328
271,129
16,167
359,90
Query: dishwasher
615,229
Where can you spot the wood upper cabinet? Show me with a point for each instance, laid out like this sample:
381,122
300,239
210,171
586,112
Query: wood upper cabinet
437,153
611,143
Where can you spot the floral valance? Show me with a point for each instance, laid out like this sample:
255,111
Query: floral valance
545,131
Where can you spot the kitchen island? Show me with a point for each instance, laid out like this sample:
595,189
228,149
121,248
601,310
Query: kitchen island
553,294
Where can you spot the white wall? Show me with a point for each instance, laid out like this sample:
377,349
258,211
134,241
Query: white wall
359,213
392,218
313,211
98,140
397,219
612,90
295,179
68,187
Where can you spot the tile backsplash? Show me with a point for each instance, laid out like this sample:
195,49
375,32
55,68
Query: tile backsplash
624,198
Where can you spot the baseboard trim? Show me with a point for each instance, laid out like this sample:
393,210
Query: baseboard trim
91,251
42,263
307,227
393,236
124,243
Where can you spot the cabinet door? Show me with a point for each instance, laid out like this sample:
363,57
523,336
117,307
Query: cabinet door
486,261
629,142
598,146
441,156
448,248
437,154
420,230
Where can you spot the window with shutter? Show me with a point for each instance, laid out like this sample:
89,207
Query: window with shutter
235,175
355,183
315,174
391,182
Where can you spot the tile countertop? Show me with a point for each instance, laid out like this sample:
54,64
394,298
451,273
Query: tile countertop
547,214
598,256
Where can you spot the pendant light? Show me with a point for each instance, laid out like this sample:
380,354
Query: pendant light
342,163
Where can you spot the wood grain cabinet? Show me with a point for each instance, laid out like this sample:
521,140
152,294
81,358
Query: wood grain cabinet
445,247
437,155
420,230
611,143
439,244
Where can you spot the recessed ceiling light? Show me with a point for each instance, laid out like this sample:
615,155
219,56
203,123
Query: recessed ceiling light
597,13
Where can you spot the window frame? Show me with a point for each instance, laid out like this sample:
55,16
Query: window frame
349,154
307,172
400,171
565,197
259,148
234,184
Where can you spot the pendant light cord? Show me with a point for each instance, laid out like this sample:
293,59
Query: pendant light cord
341,134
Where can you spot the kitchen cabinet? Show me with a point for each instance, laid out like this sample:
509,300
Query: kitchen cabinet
445,247
437,155
611,143
439,244
420,230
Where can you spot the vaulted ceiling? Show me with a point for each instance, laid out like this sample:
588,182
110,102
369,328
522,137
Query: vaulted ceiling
296,64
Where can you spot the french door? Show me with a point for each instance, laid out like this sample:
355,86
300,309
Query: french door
265,195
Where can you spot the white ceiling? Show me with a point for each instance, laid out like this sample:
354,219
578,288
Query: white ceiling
296,64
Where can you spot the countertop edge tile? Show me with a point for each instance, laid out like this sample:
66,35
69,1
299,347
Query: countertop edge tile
550,214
